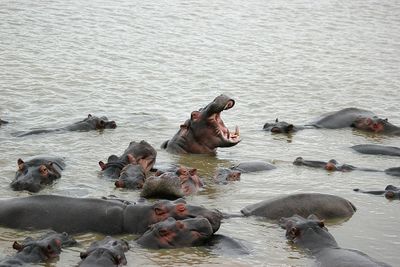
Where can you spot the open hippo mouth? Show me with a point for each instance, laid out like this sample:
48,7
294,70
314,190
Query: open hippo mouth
227,137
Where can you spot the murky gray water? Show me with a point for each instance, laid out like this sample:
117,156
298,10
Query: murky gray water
148,65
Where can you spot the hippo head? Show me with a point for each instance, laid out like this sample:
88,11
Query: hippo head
205,130
46,247
372,124
224,175
137,218
100,123
172,233
307,232
132,176
279,127
3,122
107,250
32,177
392,192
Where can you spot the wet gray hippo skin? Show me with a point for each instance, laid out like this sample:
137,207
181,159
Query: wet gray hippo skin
138,153
173,233
331,165
376,125
224,175
325,206
38,250
377,150
393,171
80,215
177,182
36,173
105,253
390,192
311,235
204,131
88,124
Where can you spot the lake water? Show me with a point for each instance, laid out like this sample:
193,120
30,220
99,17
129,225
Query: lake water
147,65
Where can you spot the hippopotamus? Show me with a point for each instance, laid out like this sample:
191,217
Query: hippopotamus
376,125
390,192
37,172
132,176
311,235
283,127
205,130
85,125
172,233
325,206
138,153
80,215
38,250
331,165
105,253
224,175
377,150
175,183
348,117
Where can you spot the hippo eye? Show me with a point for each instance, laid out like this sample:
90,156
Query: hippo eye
163,232
159,211
321,224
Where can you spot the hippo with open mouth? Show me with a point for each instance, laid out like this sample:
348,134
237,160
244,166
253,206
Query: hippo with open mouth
205,130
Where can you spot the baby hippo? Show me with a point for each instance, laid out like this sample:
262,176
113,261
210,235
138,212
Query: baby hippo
105,253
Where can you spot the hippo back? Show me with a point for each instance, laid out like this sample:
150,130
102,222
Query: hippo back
325,206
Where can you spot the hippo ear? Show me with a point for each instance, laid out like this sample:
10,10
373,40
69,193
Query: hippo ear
193,171
276,120
313,217
321,224
195,115
17,246
83,255
20,164
89,116
102,165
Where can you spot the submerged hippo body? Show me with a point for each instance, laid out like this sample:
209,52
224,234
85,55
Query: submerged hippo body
340,119
79,215
331,165
138,153
37,172
225,175
390,192
172,184
173,233
204,131
105,253
325,206
377,150
88,124
38,250
311,235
